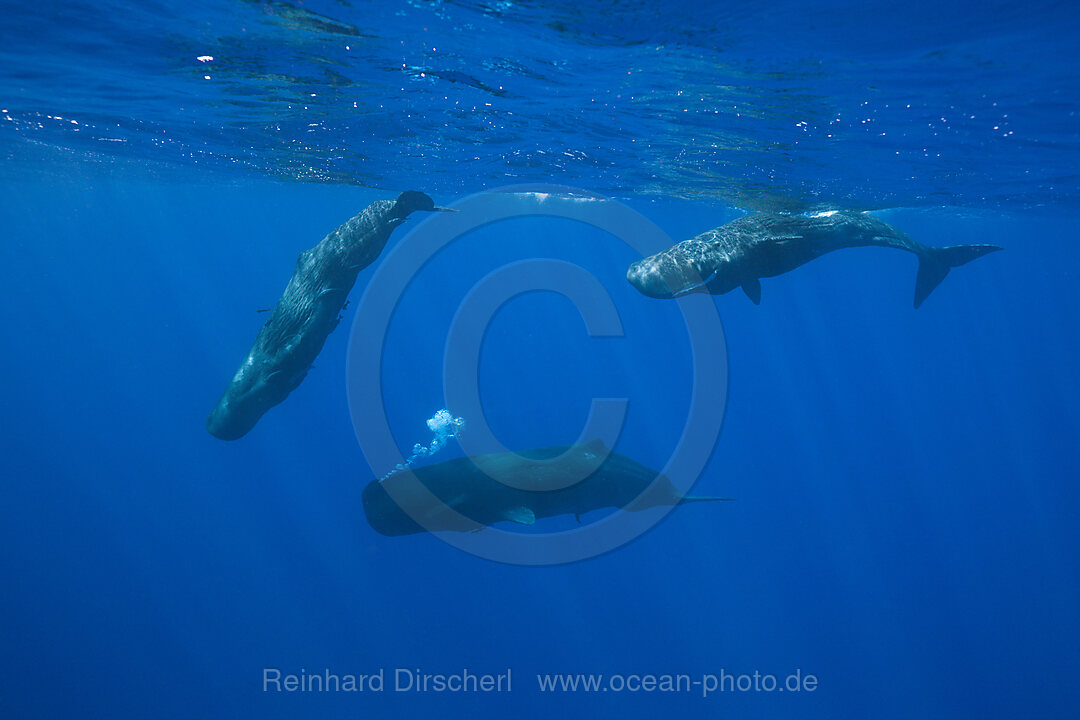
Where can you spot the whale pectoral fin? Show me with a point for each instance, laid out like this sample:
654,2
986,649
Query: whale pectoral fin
521,515
752,288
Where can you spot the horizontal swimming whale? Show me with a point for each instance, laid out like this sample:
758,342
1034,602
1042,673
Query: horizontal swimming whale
307,312
767,244
515,487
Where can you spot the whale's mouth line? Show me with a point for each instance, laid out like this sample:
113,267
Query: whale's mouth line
696,286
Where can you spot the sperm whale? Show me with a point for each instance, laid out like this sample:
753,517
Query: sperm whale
767,244
307,312
471,493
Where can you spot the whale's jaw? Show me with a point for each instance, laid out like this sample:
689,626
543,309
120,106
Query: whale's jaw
651,277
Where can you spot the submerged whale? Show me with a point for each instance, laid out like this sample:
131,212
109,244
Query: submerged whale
767,244
471,493
306,314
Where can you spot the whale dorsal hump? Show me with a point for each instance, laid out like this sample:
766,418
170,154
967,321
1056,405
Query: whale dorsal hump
752,288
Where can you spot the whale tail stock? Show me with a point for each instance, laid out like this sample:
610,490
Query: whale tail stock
935,263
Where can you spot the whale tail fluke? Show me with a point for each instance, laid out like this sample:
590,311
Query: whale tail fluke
935,263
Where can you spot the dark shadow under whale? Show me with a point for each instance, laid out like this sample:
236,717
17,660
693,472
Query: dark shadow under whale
767,244
307,312
471,493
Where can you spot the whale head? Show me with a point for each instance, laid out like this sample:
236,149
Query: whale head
255,388
412,201
680,271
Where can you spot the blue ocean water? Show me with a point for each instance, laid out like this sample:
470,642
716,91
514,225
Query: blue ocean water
904,528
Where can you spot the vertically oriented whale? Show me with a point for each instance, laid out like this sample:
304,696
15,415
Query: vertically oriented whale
767,244
306,314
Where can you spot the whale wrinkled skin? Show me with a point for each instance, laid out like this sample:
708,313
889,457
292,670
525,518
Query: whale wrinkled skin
307,312
767,244
471,493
